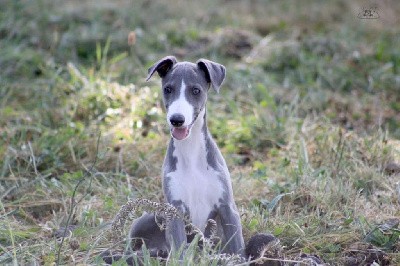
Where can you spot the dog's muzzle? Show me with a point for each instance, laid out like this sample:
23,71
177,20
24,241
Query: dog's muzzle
178,131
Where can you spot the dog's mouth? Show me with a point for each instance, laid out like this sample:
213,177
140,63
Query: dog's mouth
180,133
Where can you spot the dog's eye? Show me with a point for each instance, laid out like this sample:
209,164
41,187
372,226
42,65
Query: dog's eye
167,90
196,91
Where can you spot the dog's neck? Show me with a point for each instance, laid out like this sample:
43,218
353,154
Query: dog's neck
192,150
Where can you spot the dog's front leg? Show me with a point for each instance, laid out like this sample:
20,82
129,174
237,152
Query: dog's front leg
232,228
175,231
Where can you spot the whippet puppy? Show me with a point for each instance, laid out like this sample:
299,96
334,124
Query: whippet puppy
196,179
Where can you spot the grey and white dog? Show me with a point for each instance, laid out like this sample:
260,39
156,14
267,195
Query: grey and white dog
196,179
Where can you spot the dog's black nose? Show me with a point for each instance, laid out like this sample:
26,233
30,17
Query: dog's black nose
177,120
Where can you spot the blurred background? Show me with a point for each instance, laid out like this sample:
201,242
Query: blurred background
308,120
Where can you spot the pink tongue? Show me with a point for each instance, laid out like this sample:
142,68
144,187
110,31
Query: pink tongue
179,133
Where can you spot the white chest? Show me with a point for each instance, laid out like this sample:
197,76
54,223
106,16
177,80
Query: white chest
196,184
200,191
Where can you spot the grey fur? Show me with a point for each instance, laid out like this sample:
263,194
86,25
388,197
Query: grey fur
199,76
140,232
170,161
215,73
162,67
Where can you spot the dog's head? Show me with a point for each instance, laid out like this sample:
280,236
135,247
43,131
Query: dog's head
184,88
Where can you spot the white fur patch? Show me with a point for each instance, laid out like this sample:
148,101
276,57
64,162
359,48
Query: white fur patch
181,106
194,183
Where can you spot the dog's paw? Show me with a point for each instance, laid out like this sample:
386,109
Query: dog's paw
110,257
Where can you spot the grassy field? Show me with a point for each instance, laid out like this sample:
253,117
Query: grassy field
308,120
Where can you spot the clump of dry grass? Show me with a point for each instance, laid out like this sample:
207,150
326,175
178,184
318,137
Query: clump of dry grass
165,211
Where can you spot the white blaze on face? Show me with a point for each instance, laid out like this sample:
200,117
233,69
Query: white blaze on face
181,106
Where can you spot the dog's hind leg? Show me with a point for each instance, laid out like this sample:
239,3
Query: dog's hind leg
146,231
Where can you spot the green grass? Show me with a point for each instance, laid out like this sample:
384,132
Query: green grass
307,119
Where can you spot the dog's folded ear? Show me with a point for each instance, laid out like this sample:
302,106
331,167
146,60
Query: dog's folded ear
162,67
215,73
